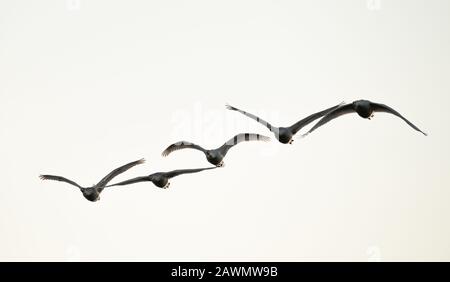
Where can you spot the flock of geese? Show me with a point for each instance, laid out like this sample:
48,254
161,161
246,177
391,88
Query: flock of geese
284,135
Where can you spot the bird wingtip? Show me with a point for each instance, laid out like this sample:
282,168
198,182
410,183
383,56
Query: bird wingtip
229,107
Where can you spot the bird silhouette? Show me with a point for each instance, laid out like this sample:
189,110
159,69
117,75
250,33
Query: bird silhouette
285,134
364,109
216,156
160,179
93,193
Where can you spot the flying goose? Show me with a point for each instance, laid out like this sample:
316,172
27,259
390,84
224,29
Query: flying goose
93,193
285,134
364,109
216,156
160,179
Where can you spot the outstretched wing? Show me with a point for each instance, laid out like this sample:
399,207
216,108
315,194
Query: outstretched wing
174,173
304,122
341,110
243,137
118,171
181,145
386,109
263,122
59,178
132,181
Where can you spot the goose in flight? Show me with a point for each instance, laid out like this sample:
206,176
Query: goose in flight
364,109
285,134
93,193
216,156
160,179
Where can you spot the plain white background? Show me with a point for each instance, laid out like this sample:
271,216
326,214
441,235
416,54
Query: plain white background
87,86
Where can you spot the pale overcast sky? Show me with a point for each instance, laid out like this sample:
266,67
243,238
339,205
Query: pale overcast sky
86,86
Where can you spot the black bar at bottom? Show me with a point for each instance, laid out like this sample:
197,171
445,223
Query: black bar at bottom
225,271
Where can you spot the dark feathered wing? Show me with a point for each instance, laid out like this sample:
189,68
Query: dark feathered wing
118,171
132,181
340,111
263,122
243,137
182,145
304,122
59,178
174,173
386,109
